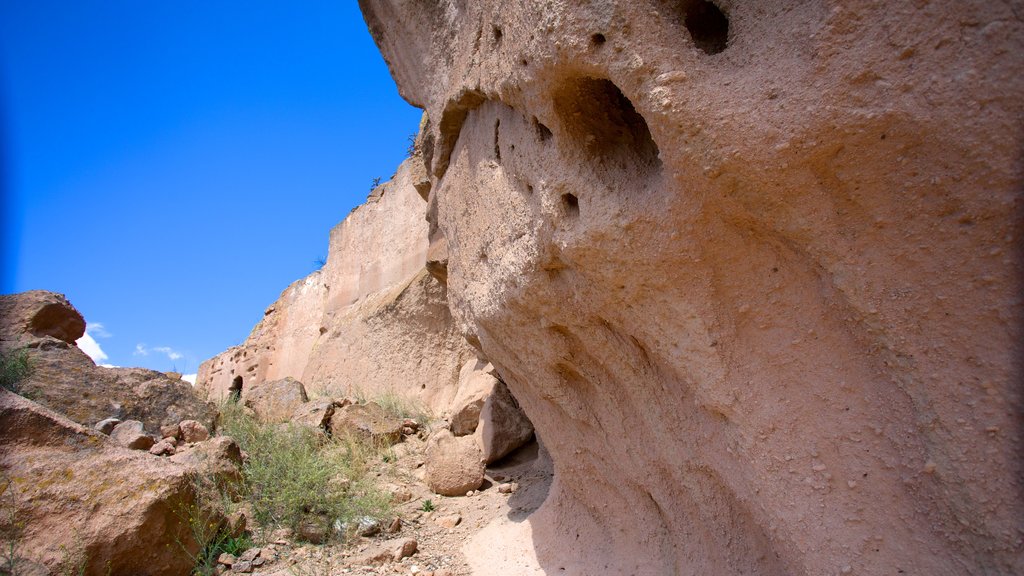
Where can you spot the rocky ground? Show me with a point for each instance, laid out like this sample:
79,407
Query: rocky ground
513,488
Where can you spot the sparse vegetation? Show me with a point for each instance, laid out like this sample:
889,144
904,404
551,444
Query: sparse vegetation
374,183
397,405
295,477
211,535
15,367
428,505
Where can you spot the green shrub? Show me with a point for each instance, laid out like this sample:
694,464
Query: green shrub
15,367
295,475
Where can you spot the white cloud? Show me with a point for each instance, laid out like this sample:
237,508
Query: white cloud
172,354
91,348
142,350
190,378
97,330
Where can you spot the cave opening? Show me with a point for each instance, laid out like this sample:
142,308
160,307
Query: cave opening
235,391
707,25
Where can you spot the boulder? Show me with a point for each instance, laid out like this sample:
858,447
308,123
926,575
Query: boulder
317,413
107,425
162,448
78,495
38,314
130,434
476,382
368,421
218,458
454,466
503,425
193,431
276,400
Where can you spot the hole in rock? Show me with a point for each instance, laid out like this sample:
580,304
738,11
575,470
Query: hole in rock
707,24
235,391
570,205
598,116
543,132
497,34
597,39
497,148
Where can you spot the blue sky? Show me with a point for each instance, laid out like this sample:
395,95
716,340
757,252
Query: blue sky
173,166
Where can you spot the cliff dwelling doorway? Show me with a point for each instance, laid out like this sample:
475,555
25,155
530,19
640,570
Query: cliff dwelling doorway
235,391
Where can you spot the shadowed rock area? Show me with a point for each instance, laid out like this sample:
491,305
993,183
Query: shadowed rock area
752,269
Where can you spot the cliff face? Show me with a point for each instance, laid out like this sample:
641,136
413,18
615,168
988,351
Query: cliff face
752,269
370,321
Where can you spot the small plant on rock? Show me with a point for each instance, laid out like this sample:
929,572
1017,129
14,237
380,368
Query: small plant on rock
15,367
428,506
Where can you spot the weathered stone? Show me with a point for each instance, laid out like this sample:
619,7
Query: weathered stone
314,530
368,421
317,413
277,400
107,425
448,521
192,431
162,448
131,435
129,522
476,383
38,314
218,457
227,559
503,426
713,245
170,431
454,465
403,548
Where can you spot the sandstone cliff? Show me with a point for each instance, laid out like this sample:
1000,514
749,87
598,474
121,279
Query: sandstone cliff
371,321
753,270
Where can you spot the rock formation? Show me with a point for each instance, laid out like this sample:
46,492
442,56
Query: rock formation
753,270
73,502
45,325
372,321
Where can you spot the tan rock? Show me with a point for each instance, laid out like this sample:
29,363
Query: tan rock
78,494
503,426
107,425
38,314
275,401
131,435
448,521
476,383
219,457
454,466
711,246
162,448
171,431
368,421
192,431
317,413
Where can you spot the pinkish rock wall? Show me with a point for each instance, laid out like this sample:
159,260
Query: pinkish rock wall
753,270
370,321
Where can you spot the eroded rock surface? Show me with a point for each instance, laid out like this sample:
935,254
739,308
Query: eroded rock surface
752,269
79,504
